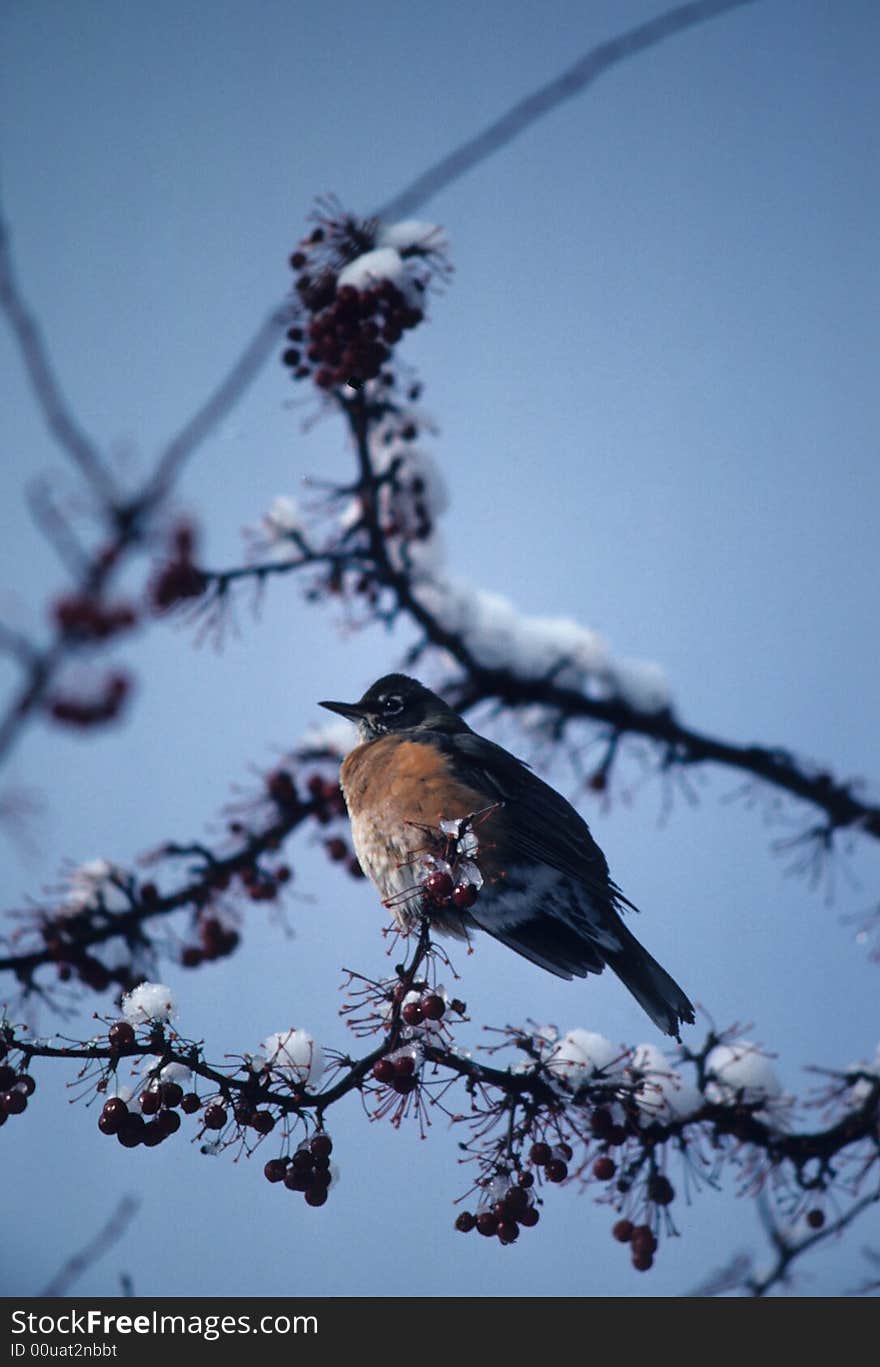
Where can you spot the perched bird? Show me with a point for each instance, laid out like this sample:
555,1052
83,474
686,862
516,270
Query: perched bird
452,827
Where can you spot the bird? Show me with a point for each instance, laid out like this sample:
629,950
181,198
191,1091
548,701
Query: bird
452,828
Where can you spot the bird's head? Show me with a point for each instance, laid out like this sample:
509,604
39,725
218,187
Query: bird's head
397,704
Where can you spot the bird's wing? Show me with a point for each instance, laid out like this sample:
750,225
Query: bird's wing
544,826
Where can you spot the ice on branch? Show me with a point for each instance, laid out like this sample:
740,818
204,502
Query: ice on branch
295,1055
861,1088
95,884
412,237
581,1055
661,1092
150,1003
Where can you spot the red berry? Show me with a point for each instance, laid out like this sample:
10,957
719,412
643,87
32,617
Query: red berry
507,1231
336,849
515,1201
13,1103
150,1100
303,1160
168,1122
564,1151
405,1085
316,1195
190,1103
643,1262
555,1170
7,1077
433,1006
215,1116
541,1154
815,1219
404,1065
152,1134
487,1223
529,1218
623,1231
172,1093
642,1240
465,1222
131,1131
464,895
121,1035
263,1122
275,1170
439,886
383,1070
526,1179
660,1190
321,1145
412,1013
604,1169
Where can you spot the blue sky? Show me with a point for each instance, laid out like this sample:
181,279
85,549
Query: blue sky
654,374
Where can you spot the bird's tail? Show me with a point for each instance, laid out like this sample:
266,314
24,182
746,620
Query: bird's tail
653,988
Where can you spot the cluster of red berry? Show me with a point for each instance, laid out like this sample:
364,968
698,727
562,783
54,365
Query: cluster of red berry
156,1117
506,1214
216,941
104,706
15,1088
350,329
306,1170
82,616
397,1071
179,578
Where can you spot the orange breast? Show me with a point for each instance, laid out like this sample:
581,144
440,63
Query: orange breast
397,792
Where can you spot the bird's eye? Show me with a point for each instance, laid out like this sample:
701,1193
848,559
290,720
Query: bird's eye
392,704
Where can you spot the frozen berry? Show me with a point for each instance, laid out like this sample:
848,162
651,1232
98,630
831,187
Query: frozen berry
121,1035
13,1103
275,1169
433,1006
321,1145
622,1231
642,1262
172,1093
190,1103
507,1231
556,1170
7,1077
412,1013
303,1160
642,1240
404,1065
529,1217
487,1223
541,1154
131,1131
383,1070
316,1195
464,895
215,1116
465,1222
526,1179
439,886
564,1151
604,1169
152,1134
150,1100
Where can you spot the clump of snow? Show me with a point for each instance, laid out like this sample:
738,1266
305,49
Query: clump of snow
862,1087
583,1055
741,1072
149,1003
383,263
661,1092
295,1055
282,525
176,1072
642,684
411,235
95,884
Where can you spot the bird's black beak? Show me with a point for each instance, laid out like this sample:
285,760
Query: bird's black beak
354,711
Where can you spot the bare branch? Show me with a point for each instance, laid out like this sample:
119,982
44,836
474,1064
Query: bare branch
547,98
106,1237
